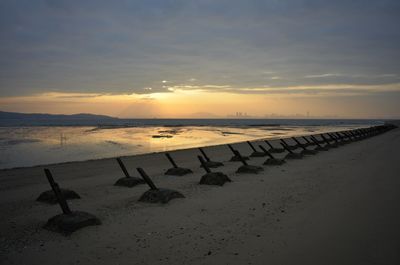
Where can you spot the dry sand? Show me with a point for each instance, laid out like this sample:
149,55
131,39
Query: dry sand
337,207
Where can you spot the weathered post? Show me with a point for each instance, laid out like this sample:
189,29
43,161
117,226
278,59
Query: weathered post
212,178
241,159
60,198
175,170
271,160
345,137
274,149
305,151
266,152
286,148
255,152
235,158
355,136
307,141
154,194
69,221
171,160
269,144
327,141
204,154
319,147
361,133
50,196
358,134
291,154
146,178
340,137
127,181
251,146
324,138
208,162
334,139
298,142
122,166
203,164
317,140
231,148
350,136
246,168
291,147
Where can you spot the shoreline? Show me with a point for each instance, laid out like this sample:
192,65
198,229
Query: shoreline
146,122
272,138
135,155
246,221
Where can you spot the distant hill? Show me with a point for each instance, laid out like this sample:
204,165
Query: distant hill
35,119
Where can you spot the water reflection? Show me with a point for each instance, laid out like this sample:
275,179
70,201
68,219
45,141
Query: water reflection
30,146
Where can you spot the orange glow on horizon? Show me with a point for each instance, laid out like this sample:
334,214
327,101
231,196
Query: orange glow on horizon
199,103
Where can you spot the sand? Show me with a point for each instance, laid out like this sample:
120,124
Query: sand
341,206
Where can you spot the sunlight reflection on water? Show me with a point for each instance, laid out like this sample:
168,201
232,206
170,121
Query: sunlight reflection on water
28,146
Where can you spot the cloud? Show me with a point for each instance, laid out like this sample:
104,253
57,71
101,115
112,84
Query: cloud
322,75
371,76
123,47
72,95
310,90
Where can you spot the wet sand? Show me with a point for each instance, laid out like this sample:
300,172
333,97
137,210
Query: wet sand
336,207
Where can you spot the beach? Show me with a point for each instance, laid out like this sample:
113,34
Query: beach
337,207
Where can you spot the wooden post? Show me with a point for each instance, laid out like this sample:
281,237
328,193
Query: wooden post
252,147
266,151
269,144
60,198
285,143
232,149
339,136
355,136
333,137
298,143
349,135
344,135
315,141
203,163
240,157
326,140
171,160
146,178
286,148
306,139
204,154
121,164
330,138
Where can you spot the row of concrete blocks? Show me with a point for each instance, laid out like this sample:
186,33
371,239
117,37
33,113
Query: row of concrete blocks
70,221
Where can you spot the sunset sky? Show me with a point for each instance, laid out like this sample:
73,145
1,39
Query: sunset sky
212,58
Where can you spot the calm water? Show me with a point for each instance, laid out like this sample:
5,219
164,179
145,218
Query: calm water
29,146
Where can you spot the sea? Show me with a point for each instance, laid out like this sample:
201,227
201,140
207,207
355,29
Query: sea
26,146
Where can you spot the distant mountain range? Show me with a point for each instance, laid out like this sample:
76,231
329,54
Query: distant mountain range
34,119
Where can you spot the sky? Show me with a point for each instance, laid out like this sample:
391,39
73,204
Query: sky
195,59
